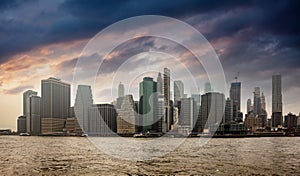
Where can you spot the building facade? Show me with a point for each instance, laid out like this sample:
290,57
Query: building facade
127,117
83,101
256,101
235,97
228,111
276,101
166,90
147,103
212,109
21,124
33,115
55,104
187,113
26,95
103,120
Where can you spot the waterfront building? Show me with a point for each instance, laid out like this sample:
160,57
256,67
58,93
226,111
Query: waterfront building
26,108
235,97
228,111
231,128
276,101
33,115
290,121
102,120
83,101
212,109
187,112
55,104
147,102
21,124
26,95
127,116
253,122
160,115
166,92
72,125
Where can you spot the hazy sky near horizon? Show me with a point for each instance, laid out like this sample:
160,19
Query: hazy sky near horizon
40,39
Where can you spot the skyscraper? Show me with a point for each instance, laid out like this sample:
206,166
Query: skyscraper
26,107
83,101
160,114
26,95
235,96
249,106
178,91
33,114
166,88
212,109
257,101
228,111
263,101
276,101
121,90
147,103
187,117
55,104
103,120
127,116
21,124
159,84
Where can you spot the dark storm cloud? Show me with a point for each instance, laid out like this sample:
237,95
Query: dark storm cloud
74,19
250,23
125,51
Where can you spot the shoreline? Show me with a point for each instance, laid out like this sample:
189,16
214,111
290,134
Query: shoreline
257,135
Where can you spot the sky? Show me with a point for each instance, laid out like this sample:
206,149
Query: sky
40,39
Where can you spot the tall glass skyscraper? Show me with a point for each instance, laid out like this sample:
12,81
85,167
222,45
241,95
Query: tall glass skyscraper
55,104
166,88
276,101
83,101
147,103
235,96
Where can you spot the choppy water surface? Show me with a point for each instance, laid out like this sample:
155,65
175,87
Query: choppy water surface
77,156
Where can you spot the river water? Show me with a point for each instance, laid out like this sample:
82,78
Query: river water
78,156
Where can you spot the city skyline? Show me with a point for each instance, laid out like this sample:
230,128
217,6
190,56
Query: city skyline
44,39
32,93
149,108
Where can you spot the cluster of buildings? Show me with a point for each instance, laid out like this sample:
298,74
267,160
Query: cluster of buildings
154,112
257,119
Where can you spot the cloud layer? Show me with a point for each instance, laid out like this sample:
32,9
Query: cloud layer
256,38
